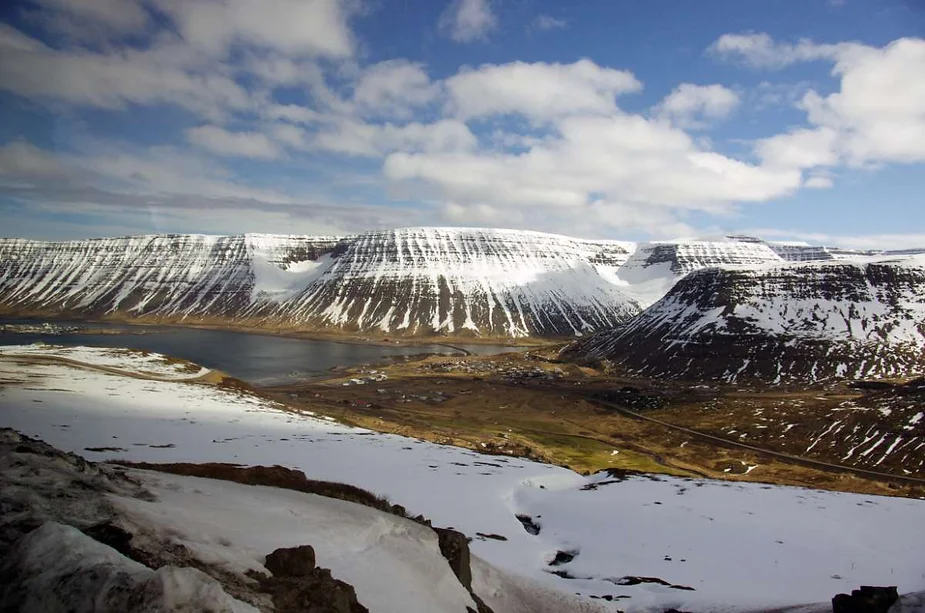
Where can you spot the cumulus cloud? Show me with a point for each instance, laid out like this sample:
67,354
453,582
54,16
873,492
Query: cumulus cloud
466,21
235,144
540,91
622,161
353,137
695,106
800,148
394,88
539,145
759,50
876,116
293,27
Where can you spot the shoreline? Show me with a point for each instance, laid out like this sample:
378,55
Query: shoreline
346,338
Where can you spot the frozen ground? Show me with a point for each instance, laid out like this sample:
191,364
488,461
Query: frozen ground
394,564
132,362
740,546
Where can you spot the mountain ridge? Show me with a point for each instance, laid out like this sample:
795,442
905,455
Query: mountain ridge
488,283
808,322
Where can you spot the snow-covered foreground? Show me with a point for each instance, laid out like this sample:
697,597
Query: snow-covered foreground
739,546
132,362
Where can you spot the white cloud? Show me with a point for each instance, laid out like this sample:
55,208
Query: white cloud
468,20
276,70
93,19
597,165
290,136
818,182
800,148
540,91
876,116
394,88
293,27
354,137
694,106
22,161
113,81
879,110
547,22
118,191
239,144
293,113
875,242
759,50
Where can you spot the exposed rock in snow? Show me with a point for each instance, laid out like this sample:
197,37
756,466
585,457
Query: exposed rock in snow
779,323
58,569
469,281
413,281
742,546
655,267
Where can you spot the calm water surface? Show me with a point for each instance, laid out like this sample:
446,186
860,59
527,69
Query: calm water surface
258,359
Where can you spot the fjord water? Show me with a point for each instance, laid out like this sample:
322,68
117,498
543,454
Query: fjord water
256,358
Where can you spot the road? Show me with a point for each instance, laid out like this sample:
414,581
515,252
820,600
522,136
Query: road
810,463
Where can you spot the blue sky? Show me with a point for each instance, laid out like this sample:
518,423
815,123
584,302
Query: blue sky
630,120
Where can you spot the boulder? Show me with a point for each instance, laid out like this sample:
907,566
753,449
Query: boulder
868,599
291,561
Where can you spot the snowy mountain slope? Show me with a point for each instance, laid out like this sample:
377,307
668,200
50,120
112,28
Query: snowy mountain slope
654,268
167,276
742,547
420,281
810,322
476,281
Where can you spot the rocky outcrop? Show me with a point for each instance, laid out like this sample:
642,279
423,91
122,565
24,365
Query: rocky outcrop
777,324
867,599
298,585
57,569
454,546
291,561
113,560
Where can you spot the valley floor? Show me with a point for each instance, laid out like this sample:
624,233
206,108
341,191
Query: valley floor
625,541
530,405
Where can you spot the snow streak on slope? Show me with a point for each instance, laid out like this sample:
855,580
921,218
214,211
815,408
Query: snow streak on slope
810,322
739,546
476,281
167,276
655,267
502,283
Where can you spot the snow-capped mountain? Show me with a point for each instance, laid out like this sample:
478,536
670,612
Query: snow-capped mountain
417,281
163,276
654,268
445,280
776,323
